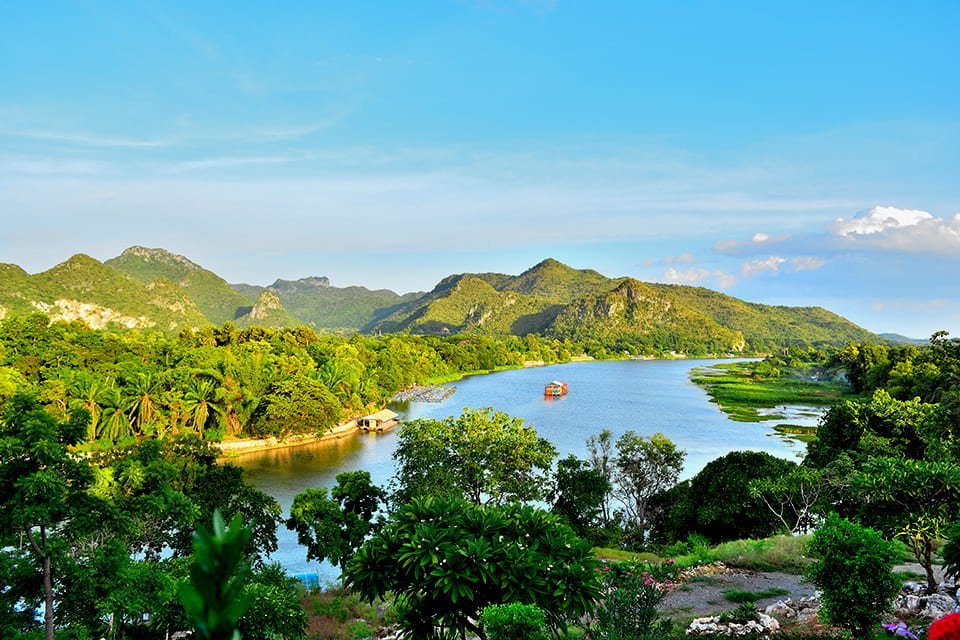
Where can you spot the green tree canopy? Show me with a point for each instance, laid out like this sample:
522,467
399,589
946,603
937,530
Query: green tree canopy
483,456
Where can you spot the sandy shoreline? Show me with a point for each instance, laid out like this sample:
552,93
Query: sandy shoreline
235,448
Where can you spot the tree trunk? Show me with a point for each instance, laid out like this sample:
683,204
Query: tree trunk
928,566
47,588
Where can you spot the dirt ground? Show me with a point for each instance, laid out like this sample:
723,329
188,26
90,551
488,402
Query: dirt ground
702,595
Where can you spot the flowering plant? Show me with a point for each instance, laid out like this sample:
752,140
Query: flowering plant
900,628
631,593
946,628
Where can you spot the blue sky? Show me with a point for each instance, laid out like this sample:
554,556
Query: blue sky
789,153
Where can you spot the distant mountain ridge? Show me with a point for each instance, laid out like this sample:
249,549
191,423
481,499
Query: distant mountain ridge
145,287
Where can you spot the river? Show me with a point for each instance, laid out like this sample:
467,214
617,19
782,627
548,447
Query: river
643,395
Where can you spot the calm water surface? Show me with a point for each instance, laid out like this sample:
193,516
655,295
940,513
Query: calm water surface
643,395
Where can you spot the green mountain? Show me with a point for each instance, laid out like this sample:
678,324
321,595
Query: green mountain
635,310
559,301
315,301
82,288
765,326
155,288
556,282
209,292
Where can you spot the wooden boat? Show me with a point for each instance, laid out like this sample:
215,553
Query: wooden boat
555,389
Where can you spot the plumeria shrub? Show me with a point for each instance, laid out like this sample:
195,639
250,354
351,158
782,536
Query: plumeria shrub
631,593
445,560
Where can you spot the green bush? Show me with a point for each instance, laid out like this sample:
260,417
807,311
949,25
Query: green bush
854,572
741,615
723,507
631,593
951,552
514,621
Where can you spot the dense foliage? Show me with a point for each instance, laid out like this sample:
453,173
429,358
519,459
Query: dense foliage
224,382
446,559
718,502
854,572
514,621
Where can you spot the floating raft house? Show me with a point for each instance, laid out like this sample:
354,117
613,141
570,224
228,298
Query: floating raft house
380,421
555,389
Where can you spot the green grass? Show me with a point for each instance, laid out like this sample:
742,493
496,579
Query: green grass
739,391
621,555
741,596
803,434
779,553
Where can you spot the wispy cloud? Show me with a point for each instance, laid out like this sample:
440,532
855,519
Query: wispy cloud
758,239
774,264
698,276
86,139
232,161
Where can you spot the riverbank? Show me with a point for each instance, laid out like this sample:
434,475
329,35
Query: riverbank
241,446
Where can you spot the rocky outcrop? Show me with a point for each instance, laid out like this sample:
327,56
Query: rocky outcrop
267,303
160,255
914,601
94,315
802,611
714,626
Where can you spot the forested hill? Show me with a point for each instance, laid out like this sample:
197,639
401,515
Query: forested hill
558,301
154,288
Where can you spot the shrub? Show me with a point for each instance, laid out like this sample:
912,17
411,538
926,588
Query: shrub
741,615
721,501
951,552
855,574
632,591
514,621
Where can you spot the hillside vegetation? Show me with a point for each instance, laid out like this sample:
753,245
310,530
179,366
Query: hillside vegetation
211,293
156,288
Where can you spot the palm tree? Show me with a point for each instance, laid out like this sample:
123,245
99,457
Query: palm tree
87,392
200,403
116,418
144,413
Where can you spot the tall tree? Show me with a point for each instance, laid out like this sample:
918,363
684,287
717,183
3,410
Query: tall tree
483,456
334,528
643,468
43,487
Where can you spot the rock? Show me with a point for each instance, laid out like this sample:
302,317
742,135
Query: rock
937,606
711,626
769,623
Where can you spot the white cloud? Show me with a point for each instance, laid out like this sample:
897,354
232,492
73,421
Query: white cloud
756,240
752,268
880,219
908,230
807,263
773,263
699,275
